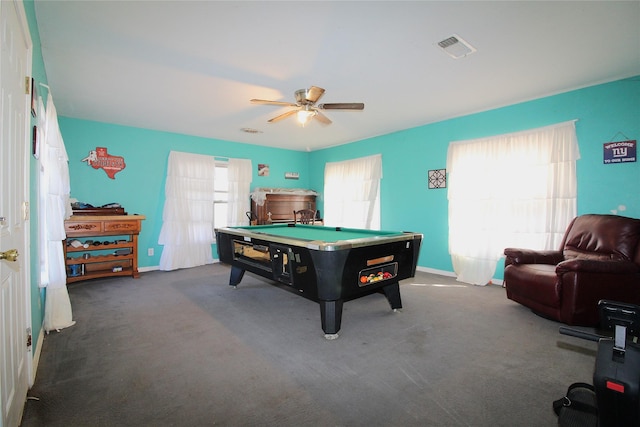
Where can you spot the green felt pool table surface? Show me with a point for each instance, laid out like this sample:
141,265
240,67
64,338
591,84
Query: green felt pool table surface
318,233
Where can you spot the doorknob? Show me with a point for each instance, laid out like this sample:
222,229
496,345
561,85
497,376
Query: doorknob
10,255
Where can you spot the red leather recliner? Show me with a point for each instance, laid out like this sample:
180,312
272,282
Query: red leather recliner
599,258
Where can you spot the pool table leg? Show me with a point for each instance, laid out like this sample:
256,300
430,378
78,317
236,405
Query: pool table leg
236,276
331,316
392,292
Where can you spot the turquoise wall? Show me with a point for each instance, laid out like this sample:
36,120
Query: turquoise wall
139,187
604,113
38,294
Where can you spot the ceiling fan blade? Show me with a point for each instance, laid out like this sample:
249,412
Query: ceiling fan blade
322,118
343,106
282,116
314,94
281,103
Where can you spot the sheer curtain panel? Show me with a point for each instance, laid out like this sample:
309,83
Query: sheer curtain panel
352,192
187,227
240,177
513,190
54,190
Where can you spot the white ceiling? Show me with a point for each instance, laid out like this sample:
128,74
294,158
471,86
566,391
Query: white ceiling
192,67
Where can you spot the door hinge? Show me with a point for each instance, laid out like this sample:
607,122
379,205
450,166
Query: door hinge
26,213
27,85
28,339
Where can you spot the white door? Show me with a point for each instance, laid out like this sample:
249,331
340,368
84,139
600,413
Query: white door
15,313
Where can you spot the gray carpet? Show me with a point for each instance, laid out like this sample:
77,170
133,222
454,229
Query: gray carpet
183,348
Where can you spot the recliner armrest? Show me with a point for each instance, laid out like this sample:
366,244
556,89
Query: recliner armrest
530,256
597,266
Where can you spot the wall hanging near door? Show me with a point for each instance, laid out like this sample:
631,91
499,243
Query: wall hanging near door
100,159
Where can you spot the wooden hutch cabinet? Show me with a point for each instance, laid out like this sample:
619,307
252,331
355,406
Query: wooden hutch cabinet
109,246
276,205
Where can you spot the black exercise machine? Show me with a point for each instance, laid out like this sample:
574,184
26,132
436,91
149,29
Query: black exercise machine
616,378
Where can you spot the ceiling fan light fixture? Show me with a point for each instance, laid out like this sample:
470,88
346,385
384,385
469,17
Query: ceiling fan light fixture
305,107
304,116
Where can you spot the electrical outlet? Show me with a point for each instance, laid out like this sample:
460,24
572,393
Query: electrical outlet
150,251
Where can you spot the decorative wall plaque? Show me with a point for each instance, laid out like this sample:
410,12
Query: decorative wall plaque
263,169
100,159
619,152
438,178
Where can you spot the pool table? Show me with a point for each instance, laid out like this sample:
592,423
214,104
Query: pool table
329,265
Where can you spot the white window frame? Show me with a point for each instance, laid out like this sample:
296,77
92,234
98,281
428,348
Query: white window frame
218,200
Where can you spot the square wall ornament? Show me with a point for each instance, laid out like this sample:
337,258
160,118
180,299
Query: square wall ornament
438,178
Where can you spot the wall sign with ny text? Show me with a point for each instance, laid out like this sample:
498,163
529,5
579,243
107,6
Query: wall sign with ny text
619,152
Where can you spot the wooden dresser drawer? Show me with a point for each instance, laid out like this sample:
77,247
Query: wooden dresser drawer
79,228
124,226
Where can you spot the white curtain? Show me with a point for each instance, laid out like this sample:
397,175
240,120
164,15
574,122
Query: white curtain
240,177
352,192
54,190
187,227
513,190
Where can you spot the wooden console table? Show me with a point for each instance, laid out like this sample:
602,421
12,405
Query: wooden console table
115,255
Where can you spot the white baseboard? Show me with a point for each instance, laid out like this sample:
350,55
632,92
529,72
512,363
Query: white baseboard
35,361
157,267
494,281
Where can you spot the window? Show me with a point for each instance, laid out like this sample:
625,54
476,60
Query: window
514,190
221,195
352,193
201,193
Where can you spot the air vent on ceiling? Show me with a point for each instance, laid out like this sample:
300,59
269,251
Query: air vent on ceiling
250,130
456,47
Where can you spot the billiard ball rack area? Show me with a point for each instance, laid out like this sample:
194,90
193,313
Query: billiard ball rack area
378,274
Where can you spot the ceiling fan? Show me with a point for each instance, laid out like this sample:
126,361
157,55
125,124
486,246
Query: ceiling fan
305,106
